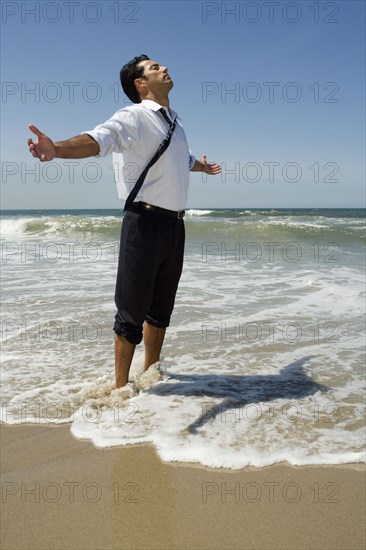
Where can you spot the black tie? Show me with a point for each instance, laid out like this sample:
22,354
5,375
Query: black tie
162,111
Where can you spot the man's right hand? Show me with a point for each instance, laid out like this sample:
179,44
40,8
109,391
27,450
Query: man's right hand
44,149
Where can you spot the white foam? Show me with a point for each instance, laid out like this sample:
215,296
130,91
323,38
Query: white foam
12,227
192,212
172,416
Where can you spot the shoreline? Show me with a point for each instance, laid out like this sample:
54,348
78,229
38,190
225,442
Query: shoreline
65,493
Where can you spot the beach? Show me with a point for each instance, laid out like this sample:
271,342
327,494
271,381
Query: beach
250,431
61,493
263,361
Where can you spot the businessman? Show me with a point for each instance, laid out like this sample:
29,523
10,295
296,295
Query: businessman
152,236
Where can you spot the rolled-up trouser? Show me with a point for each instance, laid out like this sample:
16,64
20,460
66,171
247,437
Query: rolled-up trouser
149,268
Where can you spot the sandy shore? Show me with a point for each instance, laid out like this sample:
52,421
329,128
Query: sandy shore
62,493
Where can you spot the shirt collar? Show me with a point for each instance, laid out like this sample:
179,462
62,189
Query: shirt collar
150,104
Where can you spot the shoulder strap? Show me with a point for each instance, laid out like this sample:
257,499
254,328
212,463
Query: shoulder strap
162,147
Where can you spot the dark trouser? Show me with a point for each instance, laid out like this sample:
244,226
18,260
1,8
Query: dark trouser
149,269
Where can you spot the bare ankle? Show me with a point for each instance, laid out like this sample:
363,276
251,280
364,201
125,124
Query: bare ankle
123,352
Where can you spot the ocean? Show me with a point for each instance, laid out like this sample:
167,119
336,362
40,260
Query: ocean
263,361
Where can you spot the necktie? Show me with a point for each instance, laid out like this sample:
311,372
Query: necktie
162,111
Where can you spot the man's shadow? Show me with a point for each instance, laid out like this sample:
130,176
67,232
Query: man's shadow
291,383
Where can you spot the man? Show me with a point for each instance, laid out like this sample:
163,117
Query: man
152,237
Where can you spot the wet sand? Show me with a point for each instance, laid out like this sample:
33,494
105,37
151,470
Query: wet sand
62,493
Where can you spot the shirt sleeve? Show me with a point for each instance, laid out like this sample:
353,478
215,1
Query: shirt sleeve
118,133
192,159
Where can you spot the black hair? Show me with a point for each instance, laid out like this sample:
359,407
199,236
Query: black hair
128,73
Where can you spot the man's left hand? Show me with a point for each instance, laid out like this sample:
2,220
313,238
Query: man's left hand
211,168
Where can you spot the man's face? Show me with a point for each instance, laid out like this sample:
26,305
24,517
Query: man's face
155,77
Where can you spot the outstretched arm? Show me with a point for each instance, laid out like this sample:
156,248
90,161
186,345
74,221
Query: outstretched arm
202,165
77,147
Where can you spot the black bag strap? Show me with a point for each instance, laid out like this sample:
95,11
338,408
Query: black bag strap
162,147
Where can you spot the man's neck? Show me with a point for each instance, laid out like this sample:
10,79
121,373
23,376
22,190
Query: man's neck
163,100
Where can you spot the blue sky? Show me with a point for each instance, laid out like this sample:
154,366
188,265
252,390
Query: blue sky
274,91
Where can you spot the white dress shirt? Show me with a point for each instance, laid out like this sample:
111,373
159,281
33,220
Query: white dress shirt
133,135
